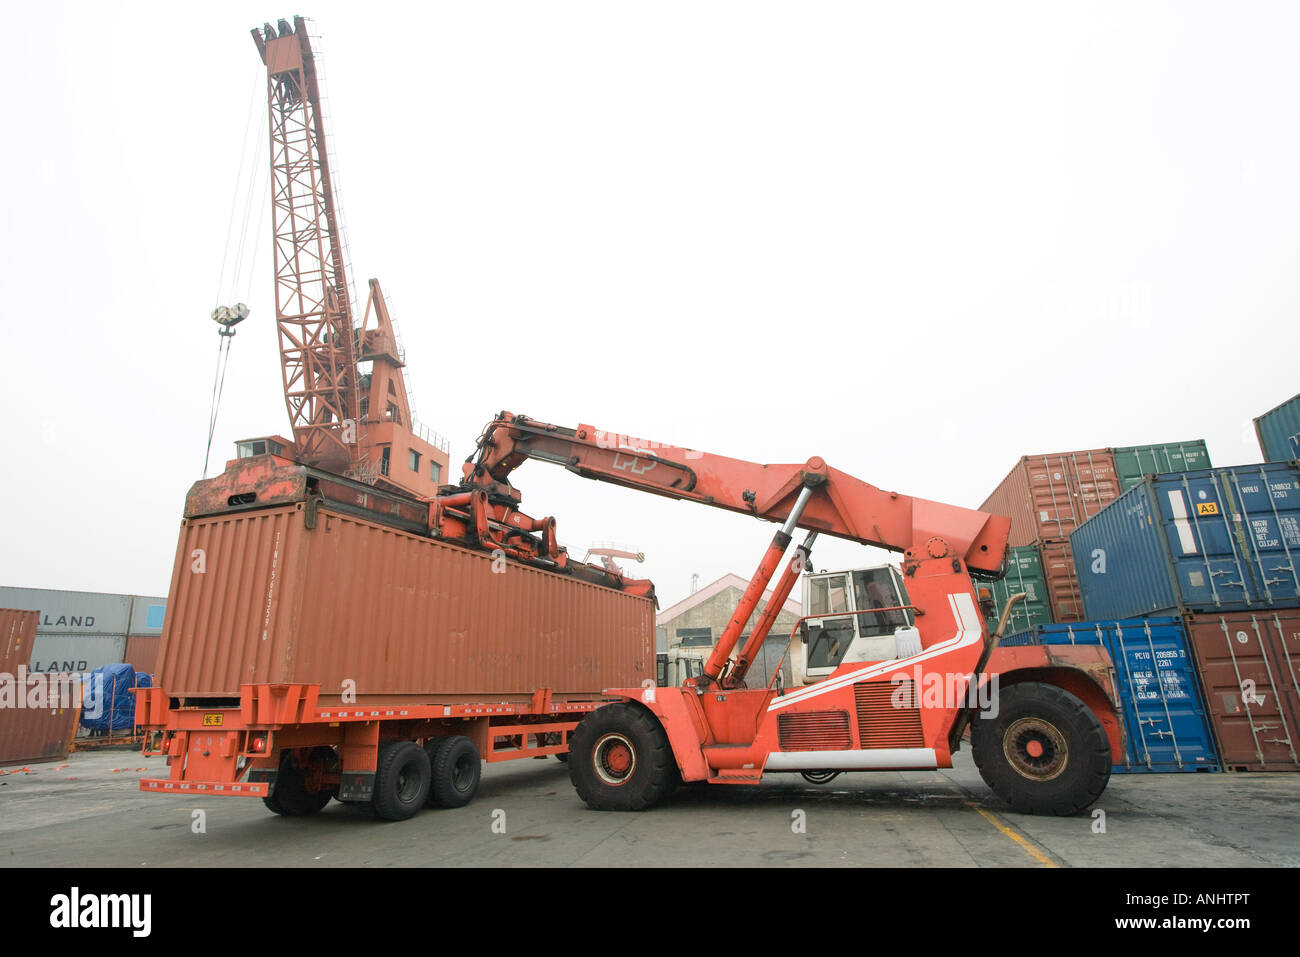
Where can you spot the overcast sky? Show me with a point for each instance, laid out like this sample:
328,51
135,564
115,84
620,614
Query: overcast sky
919,241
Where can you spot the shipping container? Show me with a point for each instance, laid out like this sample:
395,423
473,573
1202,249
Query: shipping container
1048,496
1225,539
1024,574
392,613
1279,431
17,632
142,652
1165,720
72,612
146,615
1135,461
42,728
1063,595
77,654
1248,665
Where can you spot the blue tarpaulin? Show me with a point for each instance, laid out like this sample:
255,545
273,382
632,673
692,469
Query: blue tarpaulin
108,703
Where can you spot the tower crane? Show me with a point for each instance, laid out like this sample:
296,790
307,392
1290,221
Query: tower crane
345,420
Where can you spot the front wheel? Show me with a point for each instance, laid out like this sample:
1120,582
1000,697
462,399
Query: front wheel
1044,753
620,759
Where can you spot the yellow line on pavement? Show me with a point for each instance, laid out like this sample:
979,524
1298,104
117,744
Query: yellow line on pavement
1028,848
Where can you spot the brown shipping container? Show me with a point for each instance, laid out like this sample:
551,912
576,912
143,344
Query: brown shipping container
1048,496
40,733
396,613
17,634
1248,664
1062,582
142,652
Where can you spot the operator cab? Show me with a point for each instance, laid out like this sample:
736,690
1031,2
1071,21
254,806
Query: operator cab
863,621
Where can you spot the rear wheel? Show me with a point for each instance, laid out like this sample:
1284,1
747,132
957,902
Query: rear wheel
401,780
1044,753
456,771
299,785
620,759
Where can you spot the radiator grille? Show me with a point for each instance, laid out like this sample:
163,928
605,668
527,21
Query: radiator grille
814,731
889,715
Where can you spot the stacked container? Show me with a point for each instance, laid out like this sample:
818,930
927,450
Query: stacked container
1047,497
1221,548
1024,575
1166,727
39,723
1279,431
1135,462
1214,540
78,631
145,633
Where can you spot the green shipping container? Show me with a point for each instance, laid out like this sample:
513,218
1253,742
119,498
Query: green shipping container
1135,461
1024,574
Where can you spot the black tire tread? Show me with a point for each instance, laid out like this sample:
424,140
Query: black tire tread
1088,774
290,797
392,754
442,790
658,776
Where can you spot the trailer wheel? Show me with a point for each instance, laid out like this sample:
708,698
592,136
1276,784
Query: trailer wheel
620,759
1044,753
431,747
456,771
401,780
298,791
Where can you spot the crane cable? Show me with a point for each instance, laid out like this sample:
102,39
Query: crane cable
226,316
218,387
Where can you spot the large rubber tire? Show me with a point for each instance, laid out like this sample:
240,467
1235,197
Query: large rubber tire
401,780
1044,753
457,769
431,747
293,795
620,759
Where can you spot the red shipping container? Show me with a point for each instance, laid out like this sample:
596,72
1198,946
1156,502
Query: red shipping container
30,729
142,652
17,633
1048,496
261,597
1063,593
1248,664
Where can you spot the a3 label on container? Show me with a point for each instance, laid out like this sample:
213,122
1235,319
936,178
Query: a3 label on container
1207,508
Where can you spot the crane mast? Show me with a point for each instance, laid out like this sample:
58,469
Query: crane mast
343,421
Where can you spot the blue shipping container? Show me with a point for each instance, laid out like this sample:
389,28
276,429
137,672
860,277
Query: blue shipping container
1279,431
1165,722
1212,540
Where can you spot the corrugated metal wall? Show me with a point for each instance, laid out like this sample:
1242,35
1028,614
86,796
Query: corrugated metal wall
395,613
17,632
1279,431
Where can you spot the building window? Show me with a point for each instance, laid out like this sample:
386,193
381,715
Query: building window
383,462
415,461
435,471
695,637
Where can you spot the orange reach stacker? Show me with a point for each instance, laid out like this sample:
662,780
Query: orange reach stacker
897,700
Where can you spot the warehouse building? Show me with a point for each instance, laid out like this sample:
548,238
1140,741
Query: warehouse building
698,620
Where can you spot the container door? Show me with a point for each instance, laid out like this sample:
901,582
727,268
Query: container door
1206,550
1249,689
1163,712
1267,499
